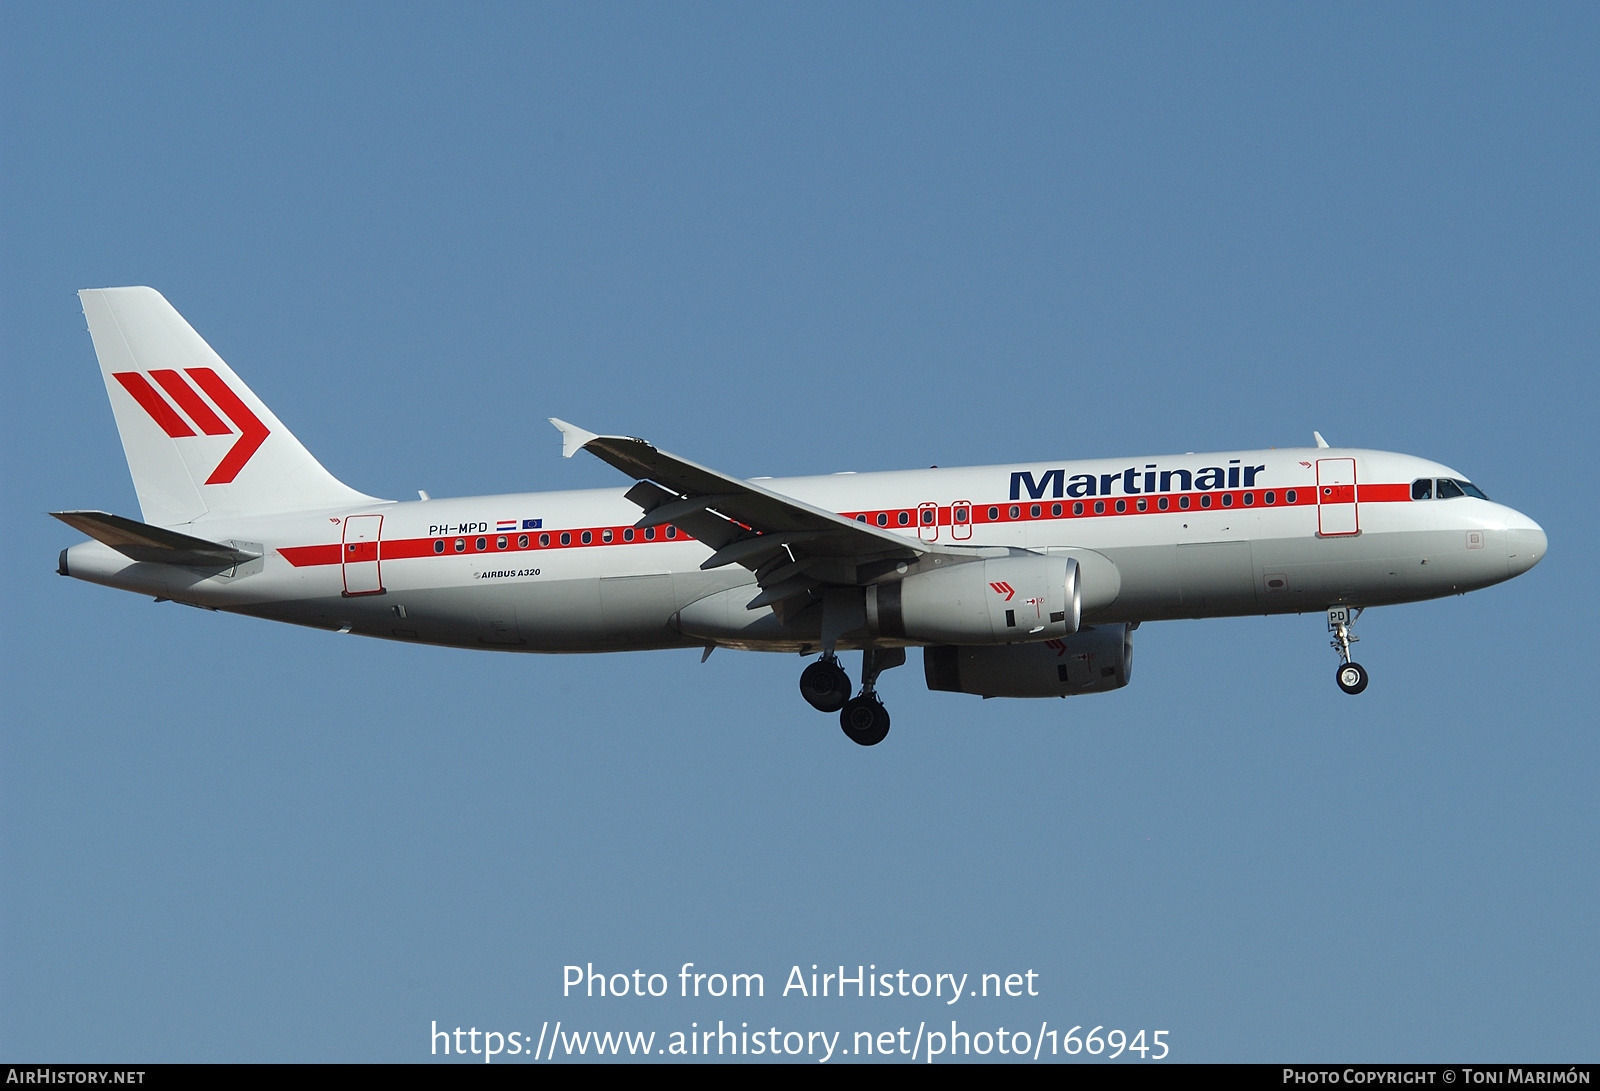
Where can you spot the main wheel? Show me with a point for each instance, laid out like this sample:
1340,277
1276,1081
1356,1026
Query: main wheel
1352,677
865,720
825,685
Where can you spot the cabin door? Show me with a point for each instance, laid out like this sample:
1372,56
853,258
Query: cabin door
360,555
1336,497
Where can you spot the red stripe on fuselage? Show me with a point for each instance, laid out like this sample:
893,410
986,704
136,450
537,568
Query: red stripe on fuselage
1384,494
301,556
1305,496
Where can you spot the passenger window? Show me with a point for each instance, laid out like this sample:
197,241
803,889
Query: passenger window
649,534
861,518
500,542
566,537
883,519
522,541
461,545
482,544
1183,502
1288,497
1055,510
961,515
1099,507
627,535
672,532
1227,499
1016,511
438,547
1205,501
1077,507
587,537
1272,497
1161,502
1033,512
1422,488
605,535
994,513
927,517
1140,504
903,518
544,539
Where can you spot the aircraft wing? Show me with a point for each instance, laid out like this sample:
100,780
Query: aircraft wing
143,542
792,547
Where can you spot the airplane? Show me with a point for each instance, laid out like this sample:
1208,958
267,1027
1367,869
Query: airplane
1014,580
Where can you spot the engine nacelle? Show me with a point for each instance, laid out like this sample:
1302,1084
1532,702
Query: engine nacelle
996,600
1098,659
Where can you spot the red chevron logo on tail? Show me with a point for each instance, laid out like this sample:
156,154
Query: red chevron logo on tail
252,433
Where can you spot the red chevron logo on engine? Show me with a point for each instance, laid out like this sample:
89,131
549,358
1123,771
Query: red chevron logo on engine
252,433
1004,589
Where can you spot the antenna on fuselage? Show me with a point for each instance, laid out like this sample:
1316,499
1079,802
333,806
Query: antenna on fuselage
1320,441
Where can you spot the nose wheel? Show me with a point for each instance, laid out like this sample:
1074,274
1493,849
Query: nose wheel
1351,676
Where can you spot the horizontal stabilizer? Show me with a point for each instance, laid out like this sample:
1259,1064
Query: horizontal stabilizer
143,542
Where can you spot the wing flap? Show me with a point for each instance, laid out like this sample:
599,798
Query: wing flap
746,509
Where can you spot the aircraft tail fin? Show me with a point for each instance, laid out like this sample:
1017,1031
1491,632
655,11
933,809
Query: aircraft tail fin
198,441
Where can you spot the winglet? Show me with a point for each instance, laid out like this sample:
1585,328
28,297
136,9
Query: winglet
572,437
1320,441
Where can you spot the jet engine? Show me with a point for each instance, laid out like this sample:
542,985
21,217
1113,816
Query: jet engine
996,600
1097,659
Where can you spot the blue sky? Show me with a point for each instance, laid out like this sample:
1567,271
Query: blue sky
781,241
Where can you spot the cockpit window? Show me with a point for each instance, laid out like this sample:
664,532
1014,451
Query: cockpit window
1445,488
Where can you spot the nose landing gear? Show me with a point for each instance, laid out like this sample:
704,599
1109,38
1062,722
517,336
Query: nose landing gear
1352,677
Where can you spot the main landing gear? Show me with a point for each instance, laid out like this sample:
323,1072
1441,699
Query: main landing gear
1352,677
865,720
826,688
825,685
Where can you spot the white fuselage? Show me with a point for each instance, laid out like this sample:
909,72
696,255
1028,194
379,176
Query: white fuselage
1276,531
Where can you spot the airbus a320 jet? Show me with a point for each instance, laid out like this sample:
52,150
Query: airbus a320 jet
1015,581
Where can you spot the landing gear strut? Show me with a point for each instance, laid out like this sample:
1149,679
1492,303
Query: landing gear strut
1351,676
864,719
825,685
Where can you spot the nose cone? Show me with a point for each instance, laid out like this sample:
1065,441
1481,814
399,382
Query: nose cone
1525,543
